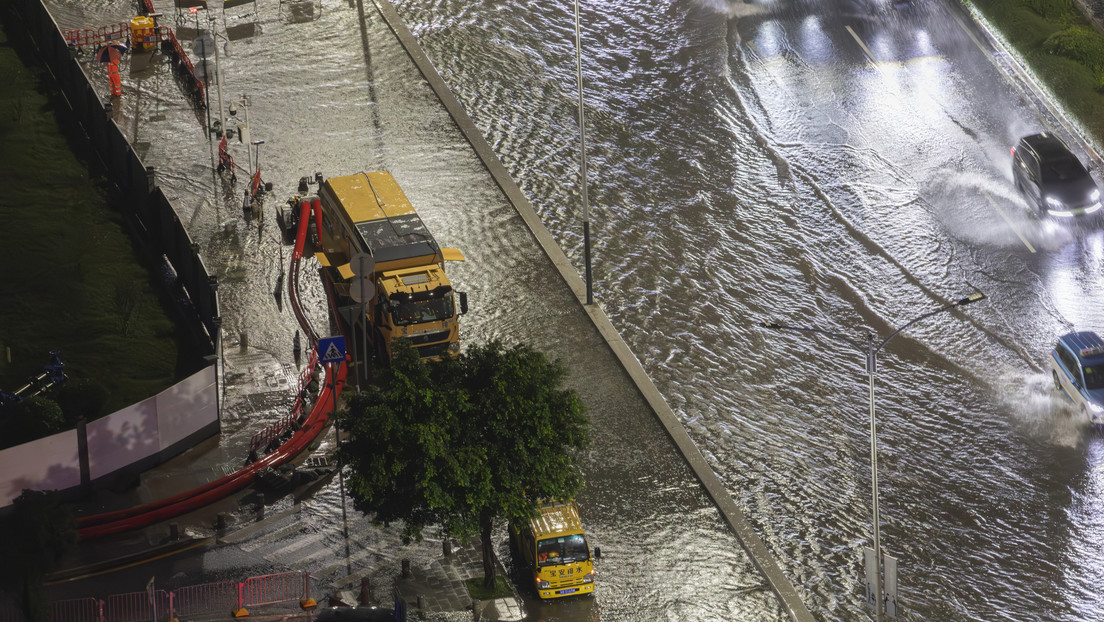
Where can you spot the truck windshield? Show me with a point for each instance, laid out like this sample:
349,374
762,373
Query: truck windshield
562,550
407,313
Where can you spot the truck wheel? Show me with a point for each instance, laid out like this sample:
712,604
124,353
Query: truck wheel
1057,382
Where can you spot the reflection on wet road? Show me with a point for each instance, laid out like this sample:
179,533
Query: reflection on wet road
841,165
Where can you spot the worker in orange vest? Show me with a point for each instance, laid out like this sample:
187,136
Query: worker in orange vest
116,80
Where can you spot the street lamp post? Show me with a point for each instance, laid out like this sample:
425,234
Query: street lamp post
218,75
870,350
582,157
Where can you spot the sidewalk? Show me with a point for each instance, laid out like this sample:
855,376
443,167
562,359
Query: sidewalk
434,590
440,591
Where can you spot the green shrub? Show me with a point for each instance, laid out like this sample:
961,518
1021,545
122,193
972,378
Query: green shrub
1071,66
1062,11
82,397
1080,44
29,419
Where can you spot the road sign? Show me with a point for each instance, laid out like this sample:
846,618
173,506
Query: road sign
362,289
362,264
203,44
331,349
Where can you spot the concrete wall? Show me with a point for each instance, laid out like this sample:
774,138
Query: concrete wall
50,463
125,442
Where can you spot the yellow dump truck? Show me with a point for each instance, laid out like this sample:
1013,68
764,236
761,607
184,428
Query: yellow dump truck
554,551
384,270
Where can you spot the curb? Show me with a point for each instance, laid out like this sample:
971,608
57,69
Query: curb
163,550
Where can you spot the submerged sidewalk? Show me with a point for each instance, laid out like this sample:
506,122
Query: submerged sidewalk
440,591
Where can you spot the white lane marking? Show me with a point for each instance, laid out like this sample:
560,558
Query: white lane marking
865,49
1009,221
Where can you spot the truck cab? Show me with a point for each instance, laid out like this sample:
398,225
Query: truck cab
554,551
382,266
419,305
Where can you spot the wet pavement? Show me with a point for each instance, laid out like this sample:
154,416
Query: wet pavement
641,493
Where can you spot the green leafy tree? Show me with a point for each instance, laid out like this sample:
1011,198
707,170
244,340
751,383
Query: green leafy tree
36,534
30,419
462,442
82,398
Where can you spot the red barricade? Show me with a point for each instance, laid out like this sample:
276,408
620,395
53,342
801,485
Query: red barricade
114,32
80,37
209,598
274,588
184,65
130,607
99,36
77,610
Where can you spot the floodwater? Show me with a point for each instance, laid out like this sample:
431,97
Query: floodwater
836,165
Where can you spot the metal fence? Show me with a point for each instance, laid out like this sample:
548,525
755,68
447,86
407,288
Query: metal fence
77,609
209,601
131,607
274,588
230,599
205,599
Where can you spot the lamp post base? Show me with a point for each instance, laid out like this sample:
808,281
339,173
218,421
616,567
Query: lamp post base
874,575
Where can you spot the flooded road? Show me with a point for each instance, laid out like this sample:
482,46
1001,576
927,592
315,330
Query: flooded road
330,89
839,165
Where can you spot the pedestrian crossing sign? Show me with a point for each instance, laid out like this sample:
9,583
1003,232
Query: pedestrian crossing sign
331,349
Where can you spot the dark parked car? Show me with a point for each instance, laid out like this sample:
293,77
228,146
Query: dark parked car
1052,179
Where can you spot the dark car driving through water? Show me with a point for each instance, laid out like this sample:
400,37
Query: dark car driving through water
1051,178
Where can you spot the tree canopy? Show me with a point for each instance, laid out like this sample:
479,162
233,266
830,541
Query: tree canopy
29,419
461,442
